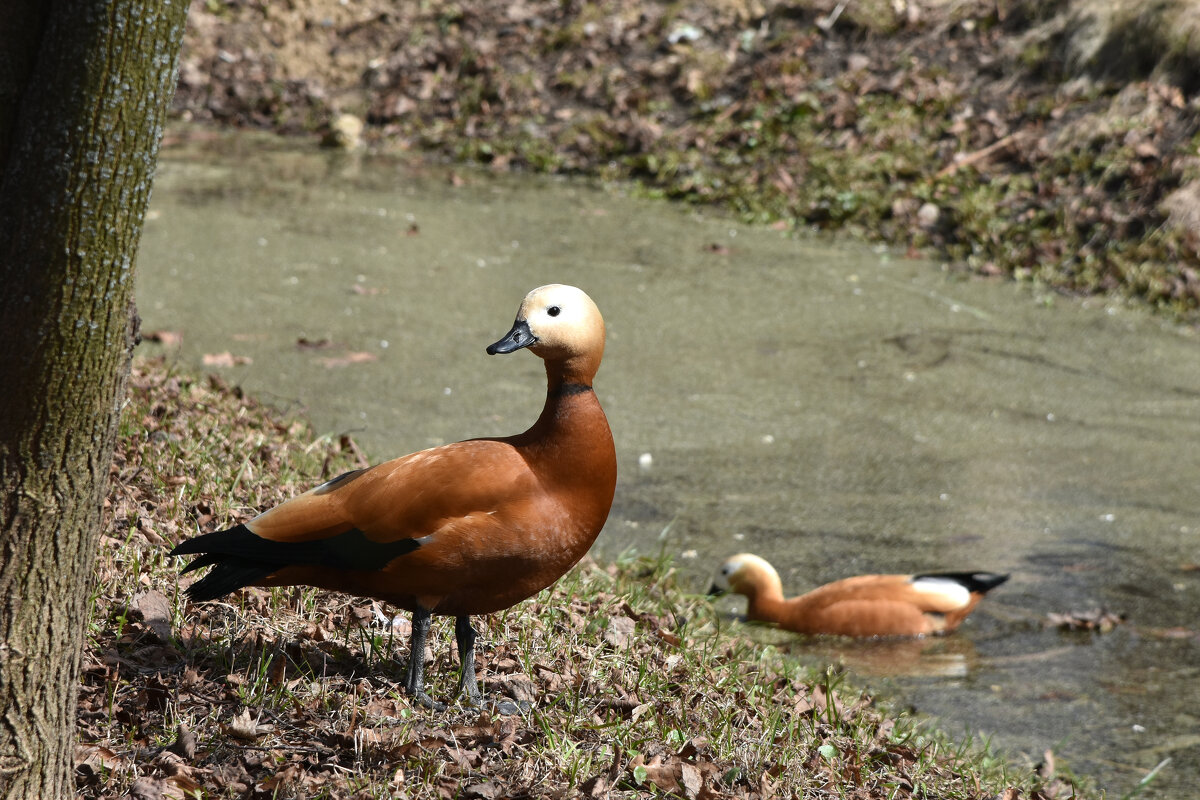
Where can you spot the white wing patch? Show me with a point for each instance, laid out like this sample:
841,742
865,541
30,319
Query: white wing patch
951,591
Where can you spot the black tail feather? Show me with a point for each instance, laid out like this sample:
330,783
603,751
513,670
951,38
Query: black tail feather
205,560
978,582
227,576
236,541
239,557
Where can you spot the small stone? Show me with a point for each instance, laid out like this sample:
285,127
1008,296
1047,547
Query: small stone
345,131
927,215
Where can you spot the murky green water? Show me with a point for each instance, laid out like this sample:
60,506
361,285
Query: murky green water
835,409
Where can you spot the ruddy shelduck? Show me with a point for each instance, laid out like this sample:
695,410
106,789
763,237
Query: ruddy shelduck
866,605
466,528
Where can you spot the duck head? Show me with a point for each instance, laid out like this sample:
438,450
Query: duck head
746,574
562,326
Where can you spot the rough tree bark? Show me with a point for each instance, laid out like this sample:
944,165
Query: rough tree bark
84,88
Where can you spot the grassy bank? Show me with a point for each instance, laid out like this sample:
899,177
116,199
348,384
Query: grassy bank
630,686
1051,142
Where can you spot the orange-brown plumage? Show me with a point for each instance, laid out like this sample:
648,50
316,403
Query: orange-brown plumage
467,528
865,605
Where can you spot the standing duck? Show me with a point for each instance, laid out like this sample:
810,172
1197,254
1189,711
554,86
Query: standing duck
466,528
866,605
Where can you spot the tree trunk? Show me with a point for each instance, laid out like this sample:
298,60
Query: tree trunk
84,88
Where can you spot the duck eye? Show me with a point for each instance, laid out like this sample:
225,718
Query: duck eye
554,311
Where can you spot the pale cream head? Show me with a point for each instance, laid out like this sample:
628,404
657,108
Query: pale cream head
567,327
564,320
749,575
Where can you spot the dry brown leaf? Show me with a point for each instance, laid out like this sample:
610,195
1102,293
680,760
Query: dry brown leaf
165,338
225,359
520,688
184,745
670,638
277,673
486,791
98,756
282,778
1047,768
246,727
355,357
619,631
146,788
180,786
596,786
153,608
665,776
504,734
691,779
693,747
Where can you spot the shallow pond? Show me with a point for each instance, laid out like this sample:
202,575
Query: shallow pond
836,409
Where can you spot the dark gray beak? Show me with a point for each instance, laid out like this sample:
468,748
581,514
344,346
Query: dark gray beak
520,336
715,591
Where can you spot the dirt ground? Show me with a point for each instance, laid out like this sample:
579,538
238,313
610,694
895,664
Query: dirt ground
1048,141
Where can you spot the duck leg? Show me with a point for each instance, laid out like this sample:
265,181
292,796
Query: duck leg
414,676
464,634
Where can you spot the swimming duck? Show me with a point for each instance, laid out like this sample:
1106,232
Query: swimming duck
866,605
466,528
